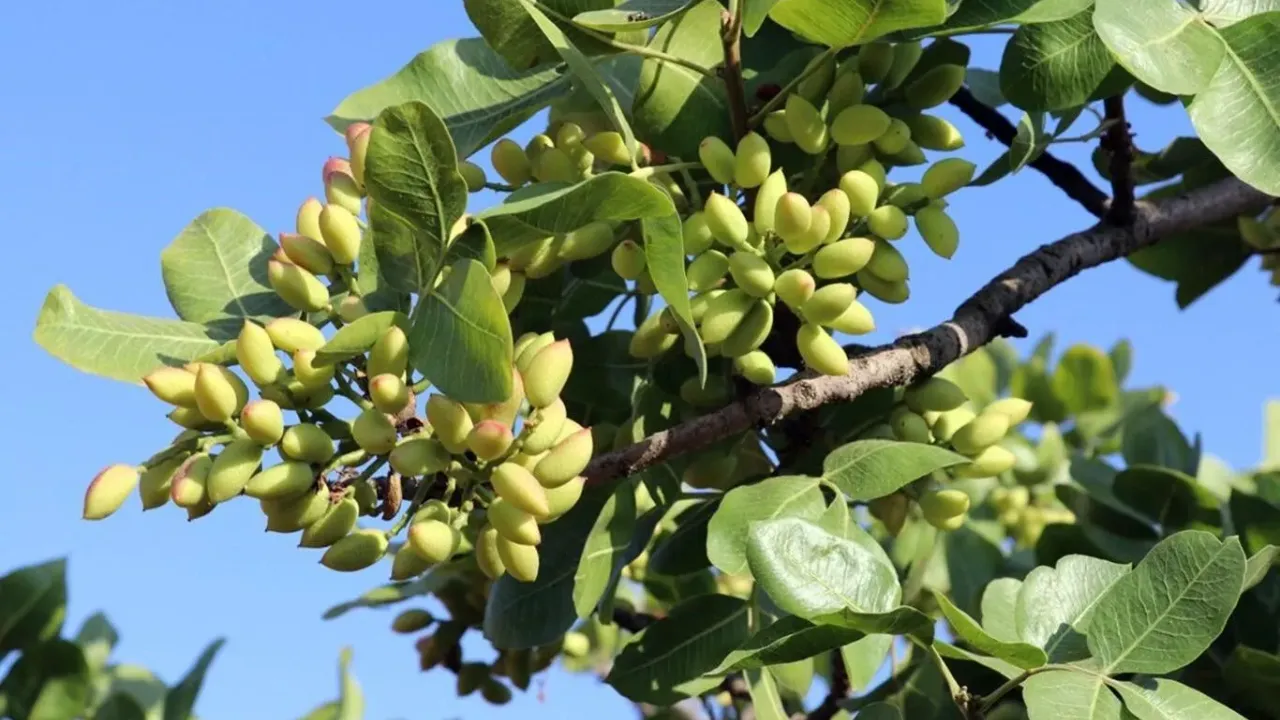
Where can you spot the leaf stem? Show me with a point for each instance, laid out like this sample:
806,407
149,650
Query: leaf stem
645,173
973,31
641,50
958,693
789,88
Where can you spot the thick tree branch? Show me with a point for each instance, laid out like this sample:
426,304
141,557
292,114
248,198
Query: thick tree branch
975,323
1061,173
1119,143
838,692
735,86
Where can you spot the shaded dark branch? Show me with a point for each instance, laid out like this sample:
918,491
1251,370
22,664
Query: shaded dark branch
735,86
838,692
1064,175
976,322
1119,143
632,621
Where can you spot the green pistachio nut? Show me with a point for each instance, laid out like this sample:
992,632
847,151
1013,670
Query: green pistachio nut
588,241
412,621
189,487
340,186
839,209
308,443
775,125
815,236
561,500
828,303
848,89
569,134
909,427
215,394
292,335
1016,409
794,287
859,125
757,367
934,395
547,373
191,419
628,259
698,303
820,351
724,314
537,145
286,480
752,273
945,509
988,463
883,290
751,333
511,298
792,217
710,470
718,159
108,490
174,385
340,232
934,87
513,524
307,373
554,165
543,428
862,190
434,510
855,320
876,170
888,221
518,486
157,481
752,161
487,557
947,423
357,136
696,234
890,510
433,540
489,439
494,692
934,133
307,253
450,421
336,523
390,354
707,270
510,162
307,221
531,348
501,277
852,157
946,176
726,222
374,431
874,61
519,559
289,515
232,469
938,230
608,146
887,263
806,125
407,564
980,433
895,138
472,175
905,57
910,155
257,355
566,460
357,551
651,338
366,496
389,393
768,194
645,284
419,455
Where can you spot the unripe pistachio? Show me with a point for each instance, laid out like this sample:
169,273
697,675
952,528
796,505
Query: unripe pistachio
757,367
820,351
724,314
411,621
505,411
645,284
307,253
307,373
472,175
908,156
434,510
888,221
710,470
511,162
547,373
876,171
374,432
726,222
980,433
511,298
191,419
108,490
905,57
366,496
891,510
336,523
852,157
566,460
718,159
859,125
934,87
407,564
308,219
609,146
751,332
887,263
874,61
554,165
946,424
173,385
291,514
434,541
883,290
938,230
751,273
909,427
537,145
487,557
988,463
946,176
521,561
696,234
419,455
513,524
828,303
855,320
388,393
232,469
767,197
489,439
707,270
934,133
357,551
340,232
157,481
257,355
588,241
300,289
806,125
839,210
340,187
816,235
775,124
651,338
518,486
292,335
895,139
308,443
934,395
544,428
451,422
286,480
698,303
945,509
1016,409
390,354
751,161
215,395
575,645
628,260
357,137
189,487
561,500
792,217
794,287
568,134
862,191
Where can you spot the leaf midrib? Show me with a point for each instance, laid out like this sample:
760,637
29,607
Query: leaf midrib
685,643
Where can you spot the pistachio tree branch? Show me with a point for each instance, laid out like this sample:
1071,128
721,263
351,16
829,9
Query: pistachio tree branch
735,86
1063,174
976,322
1119,143
837,693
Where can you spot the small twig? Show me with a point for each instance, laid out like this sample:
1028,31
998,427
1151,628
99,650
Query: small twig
1119,143
735,86
632,621
837,693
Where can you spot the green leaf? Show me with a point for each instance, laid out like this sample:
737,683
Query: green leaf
1171,499
1196,261
50,681
33,603
350,695
863,659
587,75
975,14
1054,65
687,643
138,684
603,552
784,496
1067,695
395,592
754,15
1258,564
461,338
113,344
478,95
358,337
835,519
787,639
1152,438
1254,674
508,28
1221,13
664,258
327,711
765,700
1000,607
634,14
1164,699
996,665
1166,45
1056,605
557,208
1018,653
412,176
676,107
879,711
1256,520
217,269
1165,612
1029,142
473,243
181,698
973,559
1085,379
845,23
902,620
1121,355
809,572
120,707
96,638
1238,113
685,549
522,615
868,469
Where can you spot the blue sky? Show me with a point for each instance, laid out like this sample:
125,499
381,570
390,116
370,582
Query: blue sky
123,122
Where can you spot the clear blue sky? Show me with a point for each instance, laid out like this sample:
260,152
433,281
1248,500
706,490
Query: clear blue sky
123,122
